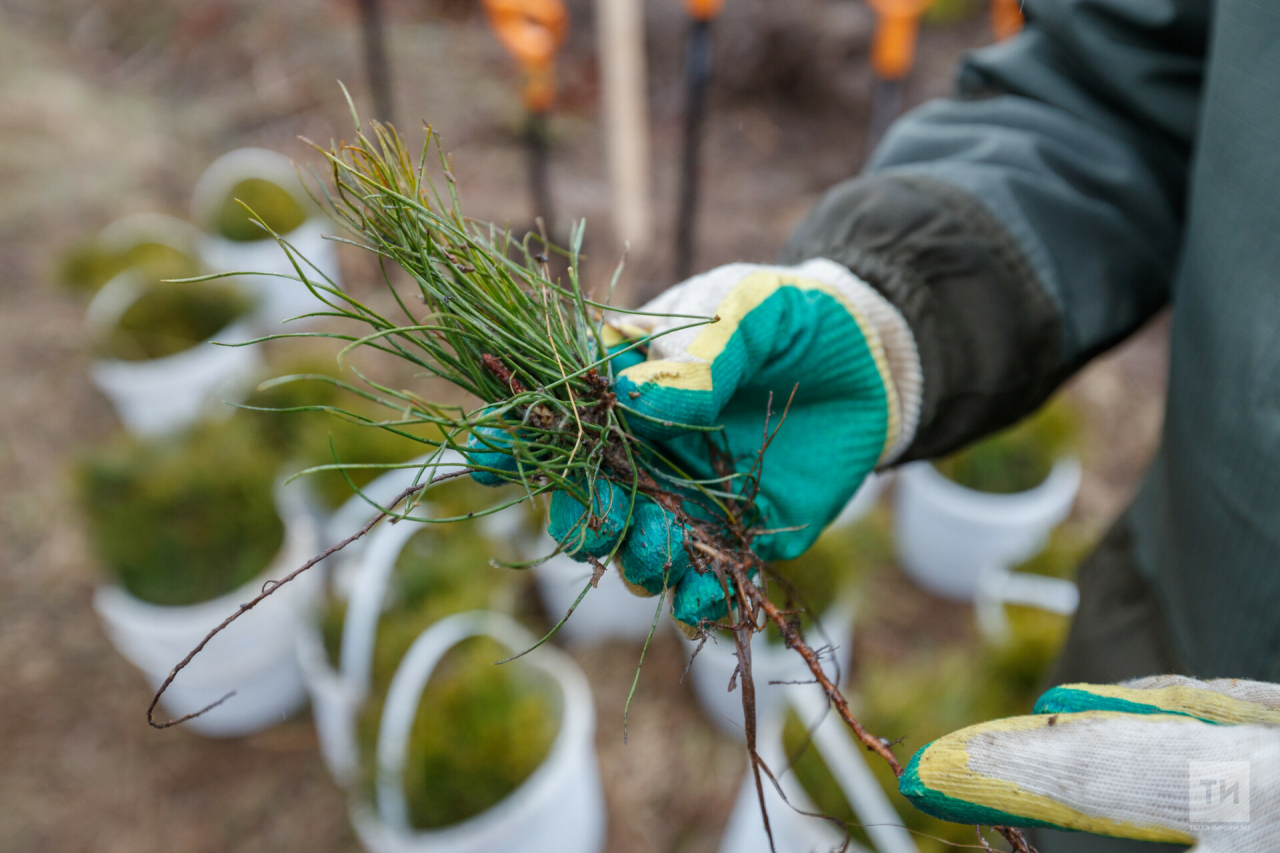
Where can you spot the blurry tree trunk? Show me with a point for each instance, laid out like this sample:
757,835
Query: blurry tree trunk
377,67
697,71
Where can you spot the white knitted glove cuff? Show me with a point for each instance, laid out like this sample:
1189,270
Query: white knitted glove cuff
701,294
896,338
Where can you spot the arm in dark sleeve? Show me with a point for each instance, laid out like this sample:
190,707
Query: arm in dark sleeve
1034,220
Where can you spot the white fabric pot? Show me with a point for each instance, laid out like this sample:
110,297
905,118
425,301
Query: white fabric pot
160,396
362,578
948,536
254,657
770,662
129,232
558,809
279,298
609,611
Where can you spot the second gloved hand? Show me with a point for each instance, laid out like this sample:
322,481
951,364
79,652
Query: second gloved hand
815,329
1164,758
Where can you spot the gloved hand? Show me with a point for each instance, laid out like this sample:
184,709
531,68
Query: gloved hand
1165,758
815,328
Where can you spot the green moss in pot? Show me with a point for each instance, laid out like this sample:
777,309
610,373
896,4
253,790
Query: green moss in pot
1016,459
443,569
184,520
480,732
273,204
88,265
830,570
171,317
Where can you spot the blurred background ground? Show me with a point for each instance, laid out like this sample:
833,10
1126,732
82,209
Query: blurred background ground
116,106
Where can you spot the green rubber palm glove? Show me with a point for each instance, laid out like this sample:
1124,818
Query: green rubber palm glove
815,329
1165,758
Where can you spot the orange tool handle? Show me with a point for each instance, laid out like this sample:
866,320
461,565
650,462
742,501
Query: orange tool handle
893,50
532,31
1006,18
703,10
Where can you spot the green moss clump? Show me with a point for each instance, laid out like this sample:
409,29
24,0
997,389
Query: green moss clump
832,566
481,729
185,520
480,732
88,266
172,317
270,202
355,444
442,569
1018,458
304,437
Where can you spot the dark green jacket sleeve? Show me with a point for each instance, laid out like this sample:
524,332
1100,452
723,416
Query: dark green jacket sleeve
1033,220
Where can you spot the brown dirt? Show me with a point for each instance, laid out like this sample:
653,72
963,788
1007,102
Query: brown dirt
114,107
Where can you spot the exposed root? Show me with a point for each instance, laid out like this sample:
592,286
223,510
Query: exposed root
723,549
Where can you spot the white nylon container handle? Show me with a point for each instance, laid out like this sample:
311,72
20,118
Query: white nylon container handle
881,821
134,230
360,628
356,510
377,564
401,707
998,587
111,302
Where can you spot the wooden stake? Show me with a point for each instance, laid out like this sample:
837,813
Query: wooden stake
620,38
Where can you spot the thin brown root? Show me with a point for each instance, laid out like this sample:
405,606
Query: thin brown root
1016,839
878,745
702,641
795,641
742,639
737,568
267,589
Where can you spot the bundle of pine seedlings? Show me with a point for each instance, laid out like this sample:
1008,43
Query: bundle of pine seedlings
483,313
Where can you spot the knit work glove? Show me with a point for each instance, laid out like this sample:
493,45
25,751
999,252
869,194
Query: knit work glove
815,328
1165,758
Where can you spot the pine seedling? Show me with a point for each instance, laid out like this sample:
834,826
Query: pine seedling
483,313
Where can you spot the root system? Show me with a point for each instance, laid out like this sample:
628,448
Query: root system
489,319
